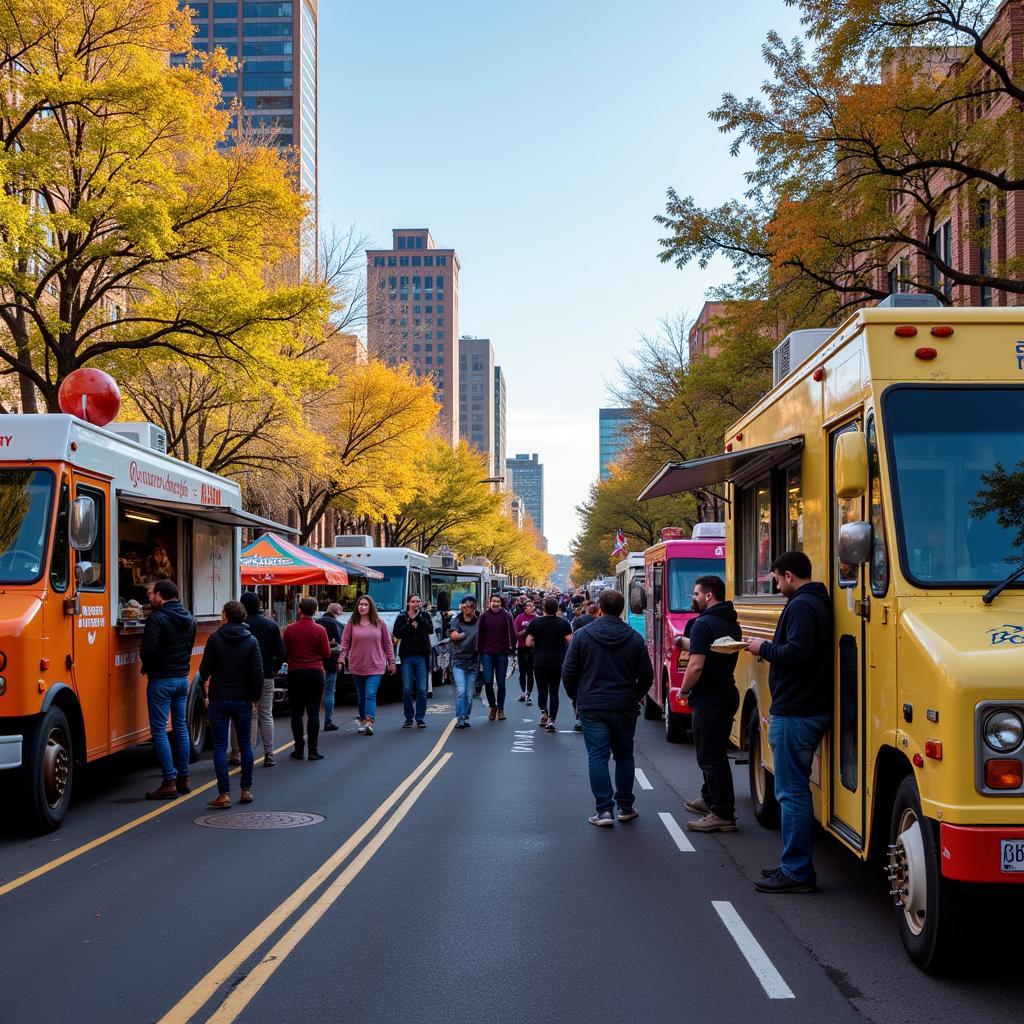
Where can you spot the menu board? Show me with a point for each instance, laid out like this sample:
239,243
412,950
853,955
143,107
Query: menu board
212,583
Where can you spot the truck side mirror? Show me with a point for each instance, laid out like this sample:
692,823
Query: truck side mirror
637,598
854,547
83,524
851,464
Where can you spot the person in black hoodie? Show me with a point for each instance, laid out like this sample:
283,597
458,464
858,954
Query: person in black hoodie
800,680
268,636
710,687
166,654
232,671
606,673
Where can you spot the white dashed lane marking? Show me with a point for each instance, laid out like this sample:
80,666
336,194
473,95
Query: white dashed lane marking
765,971
677,834
642,779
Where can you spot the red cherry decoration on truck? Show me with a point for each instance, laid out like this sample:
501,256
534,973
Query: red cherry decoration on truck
90,394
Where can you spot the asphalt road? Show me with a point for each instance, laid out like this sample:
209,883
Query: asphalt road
453,878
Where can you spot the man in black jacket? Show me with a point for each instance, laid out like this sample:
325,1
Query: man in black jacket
268,636
710,687
606,673
800,680
412,632
232,671
167,643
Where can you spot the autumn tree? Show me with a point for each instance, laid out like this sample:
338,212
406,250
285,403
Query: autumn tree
123,227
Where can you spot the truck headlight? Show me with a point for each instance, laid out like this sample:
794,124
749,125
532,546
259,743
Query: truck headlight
1003,731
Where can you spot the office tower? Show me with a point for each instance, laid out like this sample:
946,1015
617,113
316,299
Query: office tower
614,427
525,476
275,87
476,396
499,424
413,314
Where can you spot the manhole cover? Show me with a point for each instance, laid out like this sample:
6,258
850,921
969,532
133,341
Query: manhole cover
259,820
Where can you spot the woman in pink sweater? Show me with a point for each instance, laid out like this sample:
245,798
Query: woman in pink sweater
367,652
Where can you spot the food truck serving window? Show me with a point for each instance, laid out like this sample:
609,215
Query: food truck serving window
147,551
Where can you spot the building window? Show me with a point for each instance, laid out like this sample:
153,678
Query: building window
942,245
428,261
403,261
378,261
985,246
278,10
442,261
417,261
421,242
401,243
392,262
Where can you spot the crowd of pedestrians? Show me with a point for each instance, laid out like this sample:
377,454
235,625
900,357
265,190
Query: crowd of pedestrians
601,661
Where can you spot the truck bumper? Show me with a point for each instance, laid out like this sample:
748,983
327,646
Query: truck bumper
973,853
10,752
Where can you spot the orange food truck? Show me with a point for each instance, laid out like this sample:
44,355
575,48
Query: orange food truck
90,517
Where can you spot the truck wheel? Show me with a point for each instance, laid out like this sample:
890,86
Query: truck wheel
651,710
47,774
762,782
675,724
195,719
929,908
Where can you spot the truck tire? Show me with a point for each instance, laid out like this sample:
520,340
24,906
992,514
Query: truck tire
47,774
196,720
675,724
929,908
652,711
762,781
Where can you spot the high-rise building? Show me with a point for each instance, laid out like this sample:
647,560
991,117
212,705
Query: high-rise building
275,87
614,427
525,476
476,396
499,424
413,314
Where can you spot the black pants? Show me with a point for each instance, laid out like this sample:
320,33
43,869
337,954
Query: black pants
548,682
305,692
711,726
525,656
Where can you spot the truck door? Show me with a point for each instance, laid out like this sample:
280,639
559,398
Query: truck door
845,741
658,624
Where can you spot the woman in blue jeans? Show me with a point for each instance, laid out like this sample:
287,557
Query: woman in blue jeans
368,653
413,630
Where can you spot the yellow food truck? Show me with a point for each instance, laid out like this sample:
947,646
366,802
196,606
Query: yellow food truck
891,451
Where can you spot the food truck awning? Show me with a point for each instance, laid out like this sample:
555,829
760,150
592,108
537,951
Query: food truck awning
222,515
272,560
350,567
675,477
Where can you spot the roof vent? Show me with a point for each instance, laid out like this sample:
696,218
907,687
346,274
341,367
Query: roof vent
353,540
794,349
904,300
149,435
708,531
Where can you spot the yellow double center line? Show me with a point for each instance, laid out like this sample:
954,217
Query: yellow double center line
244,992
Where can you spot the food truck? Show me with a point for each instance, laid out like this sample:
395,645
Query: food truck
89,519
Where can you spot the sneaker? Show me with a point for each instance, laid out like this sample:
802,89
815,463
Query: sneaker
466,724
368,731
603,819
361,728
699,806
711,822
543,718
549,726
314,756
269,761
522,697
627,814
501,714
577,727
781,882
529,701
330,727
460,723
492,714
421,725
407,724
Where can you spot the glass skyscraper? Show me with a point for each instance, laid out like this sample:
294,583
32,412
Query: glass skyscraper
524,475
614,426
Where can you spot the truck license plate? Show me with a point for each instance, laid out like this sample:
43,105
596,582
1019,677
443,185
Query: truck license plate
1011,855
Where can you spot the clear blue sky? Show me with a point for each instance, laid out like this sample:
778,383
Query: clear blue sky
538,138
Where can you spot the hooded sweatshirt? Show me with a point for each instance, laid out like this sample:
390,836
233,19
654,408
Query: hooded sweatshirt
167,642
233,664
800,656
607,667
717,684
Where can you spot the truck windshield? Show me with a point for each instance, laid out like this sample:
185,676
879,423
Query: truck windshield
957,469
683,573
26,496
389,593
456,585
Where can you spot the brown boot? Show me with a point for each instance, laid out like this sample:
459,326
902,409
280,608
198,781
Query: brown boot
167,790
246,797
182,784
492,714
221,802
501,715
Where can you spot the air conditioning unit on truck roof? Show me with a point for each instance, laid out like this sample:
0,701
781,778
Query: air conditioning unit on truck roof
149,435
794,349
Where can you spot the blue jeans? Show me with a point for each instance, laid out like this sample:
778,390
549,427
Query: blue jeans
224,714
495,665
330,682
169,697
610,734
414,673
793,741
366,690
464,673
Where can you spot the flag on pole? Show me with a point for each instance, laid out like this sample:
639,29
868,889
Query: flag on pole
621,544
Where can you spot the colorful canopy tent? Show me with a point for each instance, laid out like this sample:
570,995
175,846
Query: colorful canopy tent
272,560
350,567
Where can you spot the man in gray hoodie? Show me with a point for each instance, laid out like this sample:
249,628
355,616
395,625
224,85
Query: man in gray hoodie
606,673
465,659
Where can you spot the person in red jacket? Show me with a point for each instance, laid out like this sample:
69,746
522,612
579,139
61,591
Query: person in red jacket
307,648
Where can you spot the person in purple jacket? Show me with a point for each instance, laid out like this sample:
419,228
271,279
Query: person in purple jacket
496,641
